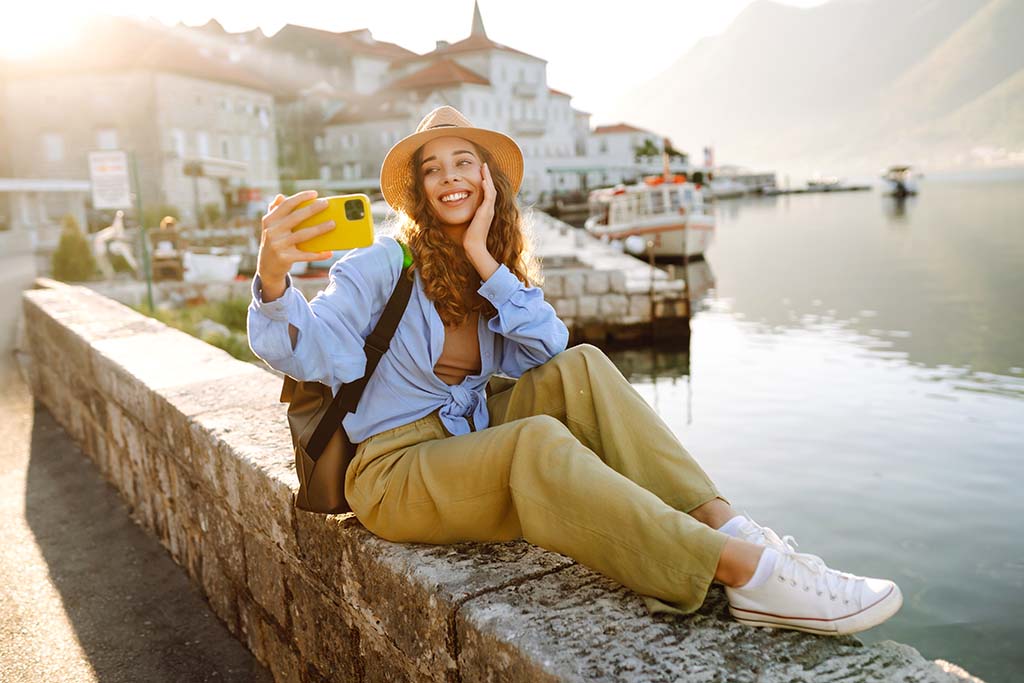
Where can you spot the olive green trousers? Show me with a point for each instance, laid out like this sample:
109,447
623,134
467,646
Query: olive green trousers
574,461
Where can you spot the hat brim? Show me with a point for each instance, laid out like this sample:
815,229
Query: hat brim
397,178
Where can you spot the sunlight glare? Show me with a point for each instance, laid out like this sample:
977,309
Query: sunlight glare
29,33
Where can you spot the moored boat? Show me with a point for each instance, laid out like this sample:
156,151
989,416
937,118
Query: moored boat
900,181
668,212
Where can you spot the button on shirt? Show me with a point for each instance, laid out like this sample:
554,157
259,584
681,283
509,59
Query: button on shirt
333,325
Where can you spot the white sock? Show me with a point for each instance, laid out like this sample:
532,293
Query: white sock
732,527
764,569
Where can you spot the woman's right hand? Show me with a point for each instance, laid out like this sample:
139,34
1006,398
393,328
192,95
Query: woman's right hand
278,252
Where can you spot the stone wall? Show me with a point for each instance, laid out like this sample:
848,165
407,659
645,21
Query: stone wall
197,444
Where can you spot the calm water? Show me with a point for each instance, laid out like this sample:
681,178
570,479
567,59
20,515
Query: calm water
856,379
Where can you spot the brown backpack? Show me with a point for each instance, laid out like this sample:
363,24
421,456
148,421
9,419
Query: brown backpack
323,450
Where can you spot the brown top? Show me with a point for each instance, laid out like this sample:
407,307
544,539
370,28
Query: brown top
461,353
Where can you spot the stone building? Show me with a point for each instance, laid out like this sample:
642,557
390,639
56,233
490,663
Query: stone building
175,104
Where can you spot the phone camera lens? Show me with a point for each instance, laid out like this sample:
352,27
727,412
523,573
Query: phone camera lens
354,210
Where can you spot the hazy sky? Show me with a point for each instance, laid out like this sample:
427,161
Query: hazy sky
593,48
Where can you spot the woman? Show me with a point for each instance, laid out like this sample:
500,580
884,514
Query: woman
569,457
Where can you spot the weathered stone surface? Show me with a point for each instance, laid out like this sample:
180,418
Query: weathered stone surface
565,308
553,285
323,630
587,307
640,306
269,645
572,284
597,282
265,576
578,625
614,305
411,589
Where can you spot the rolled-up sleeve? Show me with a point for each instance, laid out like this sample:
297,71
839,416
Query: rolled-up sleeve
531,330
332,327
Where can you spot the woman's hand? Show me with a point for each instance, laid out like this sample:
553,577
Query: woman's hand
475,239
278,252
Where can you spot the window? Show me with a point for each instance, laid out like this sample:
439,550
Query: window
246,145
202,143
225,148
603,147
178,141
106,138
53,146
318,144
264,149
223,104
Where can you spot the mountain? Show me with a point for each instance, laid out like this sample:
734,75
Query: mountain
847,87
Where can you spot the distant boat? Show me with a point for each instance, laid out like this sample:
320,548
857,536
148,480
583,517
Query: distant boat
900,181
667,211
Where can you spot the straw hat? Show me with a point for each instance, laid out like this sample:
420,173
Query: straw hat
396,178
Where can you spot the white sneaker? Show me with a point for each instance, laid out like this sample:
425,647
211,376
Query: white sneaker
753,532
804,594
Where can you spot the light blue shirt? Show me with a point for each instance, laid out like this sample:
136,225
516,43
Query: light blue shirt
334,324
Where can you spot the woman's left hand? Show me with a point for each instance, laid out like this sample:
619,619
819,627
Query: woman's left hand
476,234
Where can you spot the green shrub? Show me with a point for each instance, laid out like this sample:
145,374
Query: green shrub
231,313
73,260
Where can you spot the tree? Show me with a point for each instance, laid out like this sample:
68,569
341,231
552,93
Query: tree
73,260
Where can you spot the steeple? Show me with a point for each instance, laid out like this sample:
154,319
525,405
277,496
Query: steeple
478,22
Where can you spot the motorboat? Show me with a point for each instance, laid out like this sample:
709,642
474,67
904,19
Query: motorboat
900,181
667,212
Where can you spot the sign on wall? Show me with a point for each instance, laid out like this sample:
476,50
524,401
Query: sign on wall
111,187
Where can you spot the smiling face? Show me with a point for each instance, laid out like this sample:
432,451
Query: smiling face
451,175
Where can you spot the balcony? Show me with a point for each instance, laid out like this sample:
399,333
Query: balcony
528,126
524,90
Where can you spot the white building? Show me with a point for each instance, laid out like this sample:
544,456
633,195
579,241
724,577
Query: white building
497,87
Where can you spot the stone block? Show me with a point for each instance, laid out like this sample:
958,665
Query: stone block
614,307
270,645
617,281
264,573
597,282
572,284
553,285
587,307
565,307
221,592
640,306
324,631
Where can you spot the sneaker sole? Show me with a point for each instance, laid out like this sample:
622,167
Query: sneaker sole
867,618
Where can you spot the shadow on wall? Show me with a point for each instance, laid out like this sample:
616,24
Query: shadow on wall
113,576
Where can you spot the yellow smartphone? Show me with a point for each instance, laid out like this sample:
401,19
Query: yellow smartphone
353,223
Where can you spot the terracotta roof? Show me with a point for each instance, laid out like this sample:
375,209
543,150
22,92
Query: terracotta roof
369,108
441,72
119,44
474,43
298,37
619,128
558,92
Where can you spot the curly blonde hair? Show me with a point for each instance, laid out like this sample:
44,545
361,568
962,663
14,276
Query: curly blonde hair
449,278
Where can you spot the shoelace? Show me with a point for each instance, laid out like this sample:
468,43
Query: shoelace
786,544
803,568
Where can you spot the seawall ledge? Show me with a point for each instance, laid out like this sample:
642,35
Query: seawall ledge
197,444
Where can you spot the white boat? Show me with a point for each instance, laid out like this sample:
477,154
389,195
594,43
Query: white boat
666,211
900,181
727,188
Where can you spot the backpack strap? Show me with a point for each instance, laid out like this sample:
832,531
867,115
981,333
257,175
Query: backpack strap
377,343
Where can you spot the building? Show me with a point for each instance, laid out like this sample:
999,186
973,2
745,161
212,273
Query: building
202,130
497,87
